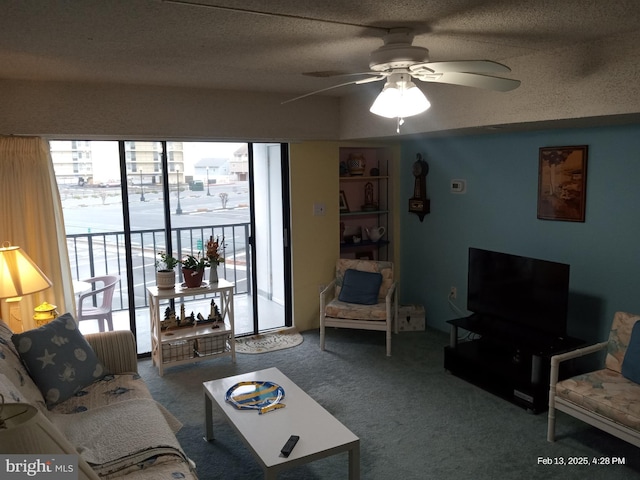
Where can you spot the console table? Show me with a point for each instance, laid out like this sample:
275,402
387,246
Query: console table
192,344
508,360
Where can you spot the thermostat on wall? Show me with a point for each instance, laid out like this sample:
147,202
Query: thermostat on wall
458,186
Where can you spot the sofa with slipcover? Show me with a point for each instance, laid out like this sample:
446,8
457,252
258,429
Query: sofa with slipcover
90,397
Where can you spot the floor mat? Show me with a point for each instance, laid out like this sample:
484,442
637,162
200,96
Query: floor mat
269,342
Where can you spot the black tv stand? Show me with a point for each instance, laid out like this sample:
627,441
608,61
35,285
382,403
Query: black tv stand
505,358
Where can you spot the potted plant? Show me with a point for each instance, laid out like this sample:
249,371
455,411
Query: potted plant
165,273
193,269
214,254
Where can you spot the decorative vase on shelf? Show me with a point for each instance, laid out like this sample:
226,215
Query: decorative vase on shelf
356,164
192,278
213,274
165,279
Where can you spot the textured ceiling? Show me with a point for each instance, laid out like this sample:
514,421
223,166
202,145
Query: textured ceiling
156,42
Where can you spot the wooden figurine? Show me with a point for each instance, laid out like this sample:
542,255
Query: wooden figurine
170,320
215,313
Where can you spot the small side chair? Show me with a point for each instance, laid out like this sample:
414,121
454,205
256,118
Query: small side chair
362,296
95,304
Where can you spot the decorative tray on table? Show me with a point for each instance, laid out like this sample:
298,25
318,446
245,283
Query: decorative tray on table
261,396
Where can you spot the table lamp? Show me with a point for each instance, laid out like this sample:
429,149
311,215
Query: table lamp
19,276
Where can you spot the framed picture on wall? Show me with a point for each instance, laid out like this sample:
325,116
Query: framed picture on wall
344,206
562,182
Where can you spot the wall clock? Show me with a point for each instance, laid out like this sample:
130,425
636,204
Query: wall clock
419,203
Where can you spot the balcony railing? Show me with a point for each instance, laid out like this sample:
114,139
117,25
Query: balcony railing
95,254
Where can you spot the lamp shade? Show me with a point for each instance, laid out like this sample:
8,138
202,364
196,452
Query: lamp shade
25,430
19,275
400,98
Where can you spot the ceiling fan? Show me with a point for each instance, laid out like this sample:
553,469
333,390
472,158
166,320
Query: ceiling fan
398,62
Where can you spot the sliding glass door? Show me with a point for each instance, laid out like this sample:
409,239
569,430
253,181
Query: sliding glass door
124,202
270,241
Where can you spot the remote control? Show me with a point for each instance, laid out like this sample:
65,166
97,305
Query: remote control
286,450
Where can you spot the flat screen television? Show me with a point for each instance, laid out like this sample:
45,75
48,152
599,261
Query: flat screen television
519,290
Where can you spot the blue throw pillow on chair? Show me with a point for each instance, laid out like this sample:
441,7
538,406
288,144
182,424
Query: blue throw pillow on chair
360,287
631,362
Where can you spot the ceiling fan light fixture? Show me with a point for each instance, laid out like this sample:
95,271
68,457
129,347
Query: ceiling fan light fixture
400,98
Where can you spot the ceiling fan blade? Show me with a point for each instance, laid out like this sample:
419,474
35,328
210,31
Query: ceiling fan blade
193,3
471,80
336,73
467,66
353,82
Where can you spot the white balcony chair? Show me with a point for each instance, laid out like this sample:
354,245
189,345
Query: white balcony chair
95,304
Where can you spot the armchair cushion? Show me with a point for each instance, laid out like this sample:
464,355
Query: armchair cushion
354,311
619,339
604,392
59,359
631,363
360,287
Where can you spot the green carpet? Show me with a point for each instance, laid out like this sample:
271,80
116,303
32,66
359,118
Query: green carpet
414,420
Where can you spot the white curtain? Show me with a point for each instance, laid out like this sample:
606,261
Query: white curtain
32,219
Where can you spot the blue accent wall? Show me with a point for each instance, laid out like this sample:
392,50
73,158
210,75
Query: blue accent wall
499,212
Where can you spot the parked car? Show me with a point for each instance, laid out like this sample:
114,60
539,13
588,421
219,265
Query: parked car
109,183
196,185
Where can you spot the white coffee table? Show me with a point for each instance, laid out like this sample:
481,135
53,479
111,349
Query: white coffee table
321,435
